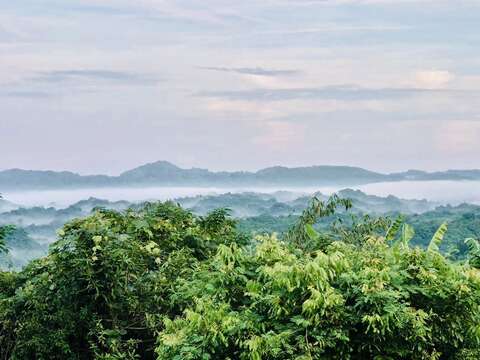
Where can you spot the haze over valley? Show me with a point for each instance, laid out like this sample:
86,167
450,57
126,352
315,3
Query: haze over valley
164,181
39,203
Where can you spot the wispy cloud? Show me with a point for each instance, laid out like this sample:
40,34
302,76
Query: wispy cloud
167,10
96,75
335,27
353,2
433,79
6,36
258,71
336,92
27,94
44,84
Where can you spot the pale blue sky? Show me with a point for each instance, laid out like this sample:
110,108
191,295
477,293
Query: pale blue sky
100,86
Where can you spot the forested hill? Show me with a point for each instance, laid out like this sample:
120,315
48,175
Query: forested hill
163,173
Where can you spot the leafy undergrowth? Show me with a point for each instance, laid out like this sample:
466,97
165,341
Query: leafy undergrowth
162,283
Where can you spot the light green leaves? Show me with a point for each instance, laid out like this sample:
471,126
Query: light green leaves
311,232
438,238
159,282
407,234
474,252
394,229
404,232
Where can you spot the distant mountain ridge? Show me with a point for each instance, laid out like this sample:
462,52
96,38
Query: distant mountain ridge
163,173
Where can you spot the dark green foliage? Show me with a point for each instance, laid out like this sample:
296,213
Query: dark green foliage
264,224
162,283
463,222
4,232
106,281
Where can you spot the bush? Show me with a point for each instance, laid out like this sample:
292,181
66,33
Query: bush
105,282
347,302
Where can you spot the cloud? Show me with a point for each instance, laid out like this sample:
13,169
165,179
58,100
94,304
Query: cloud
6,36
45,84
337,27
356,2
458,136
335,92
258,71
433,79
59,76
78,64
154,9
280,135
25,94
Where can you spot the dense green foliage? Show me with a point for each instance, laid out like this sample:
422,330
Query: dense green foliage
463,222
108,274
162,283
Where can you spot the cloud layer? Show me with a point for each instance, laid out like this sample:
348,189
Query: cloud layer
383,84
59,76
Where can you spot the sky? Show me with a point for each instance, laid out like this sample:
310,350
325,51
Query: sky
102,86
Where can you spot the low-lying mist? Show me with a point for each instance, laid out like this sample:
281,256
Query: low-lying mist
445,192
38,215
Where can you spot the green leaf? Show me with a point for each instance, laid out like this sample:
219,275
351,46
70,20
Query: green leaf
407,234
393,229
311,232
473,252
438,238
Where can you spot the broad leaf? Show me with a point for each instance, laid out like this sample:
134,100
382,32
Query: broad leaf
393,229
407,234
438,238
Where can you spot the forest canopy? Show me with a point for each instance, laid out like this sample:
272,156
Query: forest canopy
162,283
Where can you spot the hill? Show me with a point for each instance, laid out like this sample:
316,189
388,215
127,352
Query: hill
163,173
